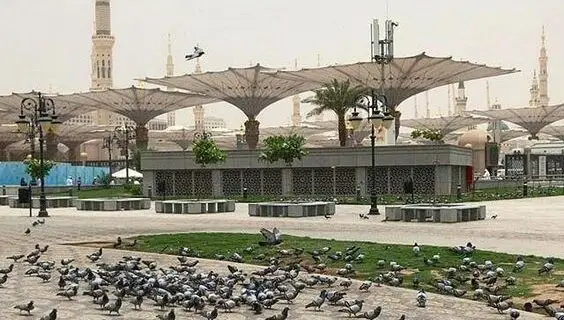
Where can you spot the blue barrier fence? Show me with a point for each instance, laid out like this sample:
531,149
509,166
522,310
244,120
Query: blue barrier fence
12,172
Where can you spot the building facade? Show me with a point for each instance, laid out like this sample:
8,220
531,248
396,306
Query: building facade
326,172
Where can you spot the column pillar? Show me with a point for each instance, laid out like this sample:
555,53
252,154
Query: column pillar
287,182
252,133
360,179
217,185
443,179
141,137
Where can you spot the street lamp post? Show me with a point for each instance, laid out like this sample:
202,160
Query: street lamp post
38,116
377,104
107,144
122,135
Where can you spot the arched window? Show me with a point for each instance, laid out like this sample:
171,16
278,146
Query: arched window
98,69
109,69
103,68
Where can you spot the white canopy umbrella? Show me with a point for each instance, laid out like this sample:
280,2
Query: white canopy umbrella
122,174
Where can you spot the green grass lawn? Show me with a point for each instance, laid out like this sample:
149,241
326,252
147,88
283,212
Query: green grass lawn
207,245
113,192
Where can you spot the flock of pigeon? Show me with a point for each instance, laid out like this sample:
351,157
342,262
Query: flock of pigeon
184,288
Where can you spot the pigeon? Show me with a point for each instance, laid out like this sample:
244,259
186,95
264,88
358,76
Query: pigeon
210,315
514,314
117,243
69,293
113,306
318,301
198,52
271,238
25,307
494,216
16,257
560,284
353,309
346,283
372,314
3,279
137,301
327,216
167,315
7,270
416,249
131,244
421,298
27,231
50,316
66,262
365,285
363,216
280,316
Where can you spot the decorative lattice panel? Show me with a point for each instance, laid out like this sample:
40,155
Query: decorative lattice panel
231,180
398,176
163,183
182,183
381,180
514,164
272,181
345,181
323,181
251,181
301,180
554,164
203,183
534,165
424,179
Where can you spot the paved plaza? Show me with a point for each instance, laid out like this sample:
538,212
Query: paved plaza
529,226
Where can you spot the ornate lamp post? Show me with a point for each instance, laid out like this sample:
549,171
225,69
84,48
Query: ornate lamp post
202,135
122,134
377,104
37,115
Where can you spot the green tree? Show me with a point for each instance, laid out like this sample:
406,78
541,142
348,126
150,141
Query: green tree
429,134
33,168
338,97
207,152
285,148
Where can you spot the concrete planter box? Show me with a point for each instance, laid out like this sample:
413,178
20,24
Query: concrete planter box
194,206
51,202
113,204
290,209
4,200
443,213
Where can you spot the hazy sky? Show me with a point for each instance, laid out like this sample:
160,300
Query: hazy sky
46,43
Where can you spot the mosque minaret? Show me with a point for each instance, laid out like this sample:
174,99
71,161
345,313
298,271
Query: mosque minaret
543,73
296,115
170,116
198,110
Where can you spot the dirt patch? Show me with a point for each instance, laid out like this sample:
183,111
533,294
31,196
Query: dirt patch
543,291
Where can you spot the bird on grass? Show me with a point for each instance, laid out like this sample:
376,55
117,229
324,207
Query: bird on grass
50,316
25,307
117,243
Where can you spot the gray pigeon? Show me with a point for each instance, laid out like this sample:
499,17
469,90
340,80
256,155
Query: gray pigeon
50,316
421,298
25,307
167,315
318,301
113,306
373,314
281,316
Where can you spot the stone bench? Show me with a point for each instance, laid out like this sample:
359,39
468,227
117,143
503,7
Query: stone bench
291,210
444,213
4,199
194,206
51,202
113,204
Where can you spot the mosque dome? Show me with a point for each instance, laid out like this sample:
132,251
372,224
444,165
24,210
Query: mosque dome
475,138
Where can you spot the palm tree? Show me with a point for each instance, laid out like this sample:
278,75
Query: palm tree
338,97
